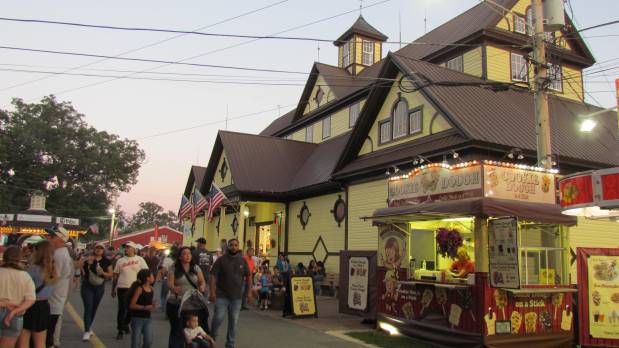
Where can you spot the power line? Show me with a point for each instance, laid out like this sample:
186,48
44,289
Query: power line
151,44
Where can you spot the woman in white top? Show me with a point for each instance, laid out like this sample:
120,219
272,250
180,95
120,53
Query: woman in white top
17,294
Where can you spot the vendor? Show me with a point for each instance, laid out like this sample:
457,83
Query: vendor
463,265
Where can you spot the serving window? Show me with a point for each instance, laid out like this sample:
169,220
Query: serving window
543,252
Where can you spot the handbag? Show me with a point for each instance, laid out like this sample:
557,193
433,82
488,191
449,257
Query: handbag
94,279
192,299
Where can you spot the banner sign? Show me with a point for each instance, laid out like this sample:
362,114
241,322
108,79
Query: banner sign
5,218
503,253
358,269
598,291
303,298
576,191
67,221
519,184
34,218
436,184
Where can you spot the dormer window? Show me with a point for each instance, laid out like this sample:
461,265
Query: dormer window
319,95
456,64
368,53
520,25
347,48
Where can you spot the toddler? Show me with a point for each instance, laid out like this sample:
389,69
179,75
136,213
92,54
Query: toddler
195,336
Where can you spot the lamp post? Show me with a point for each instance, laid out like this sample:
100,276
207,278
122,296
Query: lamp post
588,124
113,212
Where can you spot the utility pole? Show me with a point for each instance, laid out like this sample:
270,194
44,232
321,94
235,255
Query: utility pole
113,212
542,116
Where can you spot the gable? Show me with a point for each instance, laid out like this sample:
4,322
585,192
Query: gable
432,121
327,95
223,174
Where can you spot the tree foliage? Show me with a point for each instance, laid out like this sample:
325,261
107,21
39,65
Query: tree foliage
50,139
150,214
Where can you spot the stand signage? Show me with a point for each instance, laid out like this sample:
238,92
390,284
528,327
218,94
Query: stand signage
358,269
303,296
503,253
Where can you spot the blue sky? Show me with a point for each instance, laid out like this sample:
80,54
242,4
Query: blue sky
138,109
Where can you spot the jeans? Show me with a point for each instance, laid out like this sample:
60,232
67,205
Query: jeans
122,318
200,343
91,297
233,308
141,327
177,336
164,294
15,325
244,298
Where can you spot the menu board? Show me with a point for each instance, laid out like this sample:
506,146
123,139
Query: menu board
358,269
503,253
603,296
303,300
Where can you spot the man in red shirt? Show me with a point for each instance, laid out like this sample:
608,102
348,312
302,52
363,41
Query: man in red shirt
248,257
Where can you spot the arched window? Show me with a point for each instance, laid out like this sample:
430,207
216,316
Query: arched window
400,119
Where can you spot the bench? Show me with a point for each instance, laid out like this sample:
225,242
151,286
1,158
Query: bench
330,285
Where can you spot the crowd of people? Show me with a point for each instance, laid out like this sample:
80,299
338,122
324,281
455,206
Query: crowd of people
37,278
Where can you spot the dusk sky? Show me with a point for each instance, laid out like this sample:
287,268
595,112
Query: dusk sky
155,112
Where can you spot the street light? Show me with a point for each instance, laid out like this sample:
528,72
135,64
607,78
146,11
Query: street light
589,124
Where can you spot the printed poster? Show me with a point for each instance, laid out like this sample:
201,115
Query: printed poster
503,253
392,249
603,296
358,269
303,300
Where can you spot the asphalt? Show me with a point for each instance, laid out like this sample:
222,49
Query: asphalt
260,329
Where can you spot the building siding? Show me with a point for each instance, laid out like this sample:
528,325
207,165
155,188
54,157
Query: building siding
227,181
414,100
363,200
592,234
321,224
328,95
473,62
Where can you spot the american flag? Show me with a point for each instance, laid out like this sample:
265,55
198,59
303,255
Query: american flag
199,203
185,208
215,198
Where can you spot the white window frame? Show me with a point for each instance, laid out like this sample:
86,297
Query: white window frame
555,77
529,22
367,58
309,134
353,114
456,63
518,63
326,127
346,52
415,121
384,132
400,120
520,24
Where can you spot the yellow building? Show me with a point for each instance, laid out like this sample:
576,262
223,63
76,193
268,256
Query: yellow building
459,93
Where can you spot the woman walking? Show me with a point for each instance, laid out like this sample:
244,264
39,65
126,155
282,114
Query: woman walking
95,270
37,317
141,304
183,276
17,294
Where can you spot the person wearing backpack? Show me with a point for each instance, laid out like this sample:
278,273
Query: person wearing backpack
183,277
94,272
141,304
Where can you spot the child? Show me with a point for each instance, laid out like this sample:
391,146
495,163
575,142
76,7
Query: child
265,288
195,336
141,304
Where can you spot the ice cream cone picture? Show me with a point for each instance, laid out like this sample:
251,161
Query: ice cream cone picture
490,319
441,298
455,313
566,319
516,320
500,298
426,299
557,299
530,322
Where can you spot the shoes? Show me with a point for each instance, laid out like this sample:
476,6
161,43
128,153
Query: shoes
86,336
120,335
244,308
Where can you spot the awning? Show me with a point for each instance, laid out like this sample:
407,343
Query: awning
481,207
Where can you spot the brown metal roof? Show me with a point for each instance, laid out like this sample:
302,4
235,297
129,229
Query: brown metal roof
362,27
196,175
279,123
508,117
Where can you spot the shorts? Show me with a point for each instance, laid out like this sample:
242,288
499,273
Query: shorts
37,317
264,295
16,324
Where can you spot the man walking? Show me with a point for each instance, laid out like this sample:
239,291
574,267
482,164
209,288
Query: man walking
249,259
60,291
228,275
125,273
203,258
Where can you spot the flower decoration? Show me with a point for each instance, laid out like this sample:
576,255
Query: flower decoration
448,240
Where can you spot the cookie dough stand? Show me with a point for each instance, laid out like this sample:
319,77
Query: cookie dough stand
426,302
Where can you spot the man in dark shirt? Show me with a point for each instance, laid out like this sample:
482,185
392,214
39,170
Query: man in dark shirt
203,258
228,275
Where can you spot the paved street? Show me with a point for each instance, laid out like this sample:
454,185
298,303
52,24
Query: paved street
256,328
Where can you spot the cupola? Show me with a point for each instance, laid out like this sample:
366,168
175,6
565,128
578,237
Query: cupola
360,46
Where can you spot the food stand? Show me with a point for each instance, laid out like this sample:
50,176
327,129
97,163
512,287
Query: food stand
500,218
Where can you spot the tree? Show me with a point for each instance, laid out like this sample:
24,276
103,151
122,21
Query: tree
48,146
150,214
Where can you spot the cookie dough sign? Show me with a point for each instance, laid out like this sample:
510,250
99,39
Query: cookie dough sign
604,296
358,269
303,300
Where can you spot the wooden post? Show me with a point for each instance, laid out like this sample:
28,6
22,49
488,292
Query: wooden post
480,237
542,116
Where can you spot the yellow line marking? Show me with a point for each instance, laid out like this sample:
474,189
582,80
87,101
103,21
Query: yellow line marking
94,340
